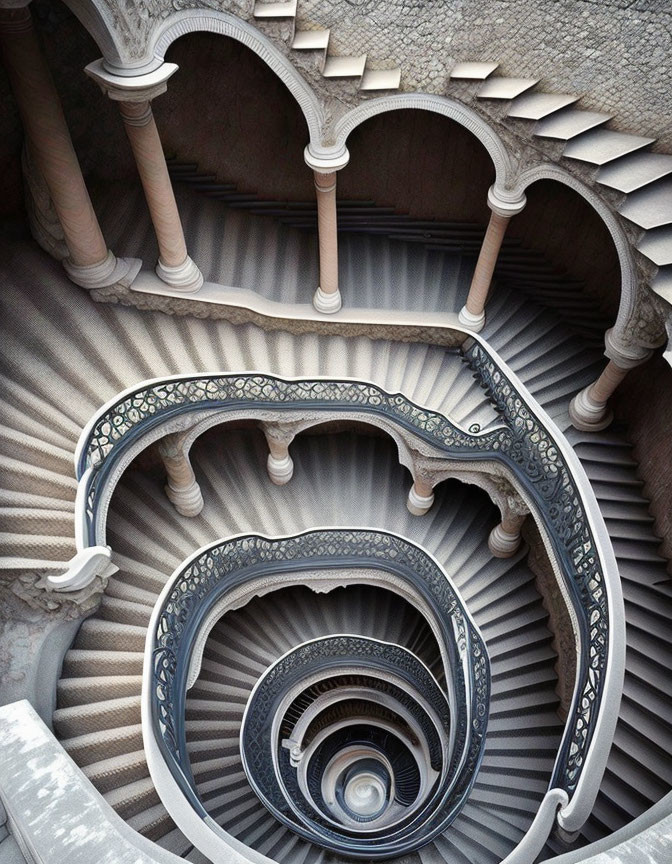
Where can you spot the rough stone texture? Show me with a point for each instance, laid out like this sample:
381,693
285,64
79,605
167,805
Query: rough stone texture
617,51
244,130
54,808
33,641
119,293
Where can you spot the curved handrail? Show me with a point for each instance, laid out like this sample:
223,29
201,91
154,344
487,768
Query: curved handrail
548,472
202,580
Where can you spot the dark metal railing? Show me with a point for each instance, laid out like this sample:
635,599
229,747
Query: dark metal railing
552,479
204,581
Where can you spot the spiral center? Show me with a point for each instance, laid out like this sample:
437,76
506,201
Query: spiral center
365,794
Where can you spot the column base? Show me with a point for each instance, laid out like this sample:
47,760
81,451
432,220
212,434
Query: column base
280,471
502,544
327,303
107,272
187,277
473,322
418,505
188,501
588,415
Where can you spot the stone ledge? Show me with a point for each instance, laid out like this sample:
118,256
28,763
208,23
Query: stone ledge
53,810
242,306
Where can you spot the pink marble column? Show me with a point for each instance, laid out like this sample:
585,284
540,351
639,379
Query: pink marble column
589,409
325,165
174,267
472,314
89,261
134,93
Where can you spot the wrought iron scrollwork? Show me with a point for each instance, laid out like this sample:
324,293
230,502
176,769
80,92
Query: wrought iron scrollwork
521,443
230,564
538,462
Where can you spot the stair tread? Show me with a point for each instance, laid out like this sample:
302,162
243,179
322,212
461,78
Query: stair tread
600,146
505,88
344,67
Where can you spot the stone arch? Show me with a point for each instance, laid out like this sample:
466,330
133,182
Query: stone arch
503,162
166,31
621,341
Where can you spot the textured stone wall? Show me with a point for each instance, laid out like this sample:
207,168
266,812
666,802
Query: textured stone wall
617,52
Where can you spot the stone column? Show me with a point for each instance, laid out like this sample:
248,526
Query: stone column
134,95
472,314
89,263
182,488
280,465
420,496
589,409
327,298
504,540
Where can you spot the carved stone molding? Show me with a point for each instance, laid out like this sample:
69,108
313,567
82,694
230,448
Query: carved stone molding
213,21
489,476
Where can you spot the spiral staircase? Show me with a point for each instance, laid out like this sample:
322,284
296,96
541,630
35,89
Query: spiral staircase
64,356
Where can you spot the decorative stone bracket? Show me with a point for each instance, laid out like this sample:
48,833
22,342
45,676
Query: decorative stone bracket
83,568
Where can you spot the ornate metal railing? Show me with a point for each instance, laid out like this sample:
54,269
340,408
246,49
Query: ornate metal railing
202,583
546,471
152,404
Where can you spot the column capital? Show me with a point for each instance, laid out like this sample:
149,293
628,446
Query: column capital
505,203
327,161
624,356
132,88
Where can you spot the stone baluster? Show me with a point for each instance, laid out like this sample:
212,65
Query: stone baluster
89,263
327,298
134,95
420,496
589,409
280,465
182,488
472,314
505,539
